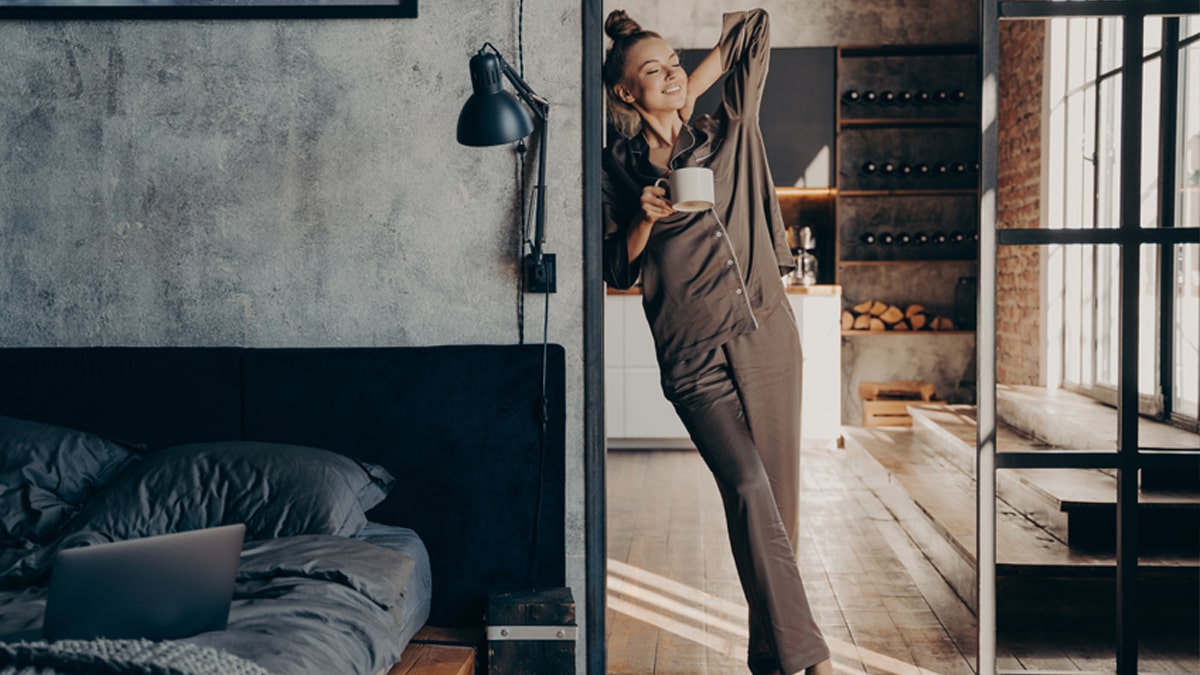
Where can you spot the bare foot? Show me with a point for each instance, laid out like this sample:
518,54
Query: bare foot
823,668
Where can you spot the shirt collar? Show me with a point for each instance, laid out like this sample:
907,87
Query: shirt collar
689,140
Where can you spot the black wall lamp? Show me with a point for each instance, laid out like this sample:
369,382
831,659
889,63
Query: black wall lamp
491,116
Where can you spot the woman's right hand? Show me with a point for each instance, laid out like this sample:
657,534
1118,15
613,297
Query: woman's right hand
654,207
654,204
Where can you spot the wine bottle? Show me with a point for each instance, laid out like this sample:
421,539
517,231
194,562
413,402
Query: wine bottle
851,96
922,97
886,238
904,97
887,97
921,238
922,169
904,239
941,169
867,238
904,171
958,96
938,237
957,237
869,167
960,168
941,96
869,96
888,168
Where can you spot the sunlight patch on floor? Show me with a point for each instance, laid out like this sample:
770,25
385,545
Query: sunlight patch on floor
717,623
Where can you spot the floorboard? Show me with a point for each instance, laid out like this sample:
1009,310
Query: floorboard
675,606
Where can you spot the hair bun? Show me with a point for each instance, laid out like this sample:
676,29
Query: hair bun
618,25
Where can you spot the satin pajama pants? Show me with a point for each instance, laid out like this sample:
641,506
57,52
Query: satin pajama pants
741,406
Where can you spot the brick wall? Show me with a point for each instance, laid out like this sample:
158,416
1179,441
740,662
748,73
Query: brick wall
1018,327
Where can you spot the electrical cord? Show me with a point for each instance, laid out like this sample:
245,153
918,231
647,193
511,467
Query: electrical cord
525,246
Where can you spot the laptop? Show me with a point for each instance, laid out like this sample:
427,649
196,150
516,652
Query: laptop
157,588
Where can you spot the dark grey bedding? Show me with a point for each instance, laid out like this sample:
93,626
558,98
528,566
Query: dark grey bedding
305,604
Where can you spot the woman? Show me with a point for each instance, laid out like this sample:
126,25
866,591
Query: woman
724,332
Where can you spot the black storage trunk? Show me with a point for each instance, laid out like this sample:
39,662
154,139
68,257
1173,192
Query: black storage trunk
531,632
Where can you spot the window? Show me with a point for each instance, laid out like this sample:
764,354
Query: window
1186,340
1082,164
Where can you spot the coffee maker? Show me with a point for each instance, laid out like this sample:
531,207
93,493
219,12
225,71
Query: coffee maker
805,273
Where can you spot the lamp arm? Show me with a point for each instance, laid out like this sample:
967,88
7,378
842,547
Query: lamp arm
539,232
540,108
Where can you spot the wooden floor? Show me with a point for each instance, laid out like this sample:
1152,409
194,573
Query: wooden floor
675,606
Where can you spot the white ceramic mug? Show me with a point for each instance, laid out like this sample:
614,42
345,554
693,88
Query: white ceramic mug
689,188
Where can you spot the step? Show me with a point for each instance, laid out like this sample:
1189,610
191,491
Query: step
1065,419
1077,506
1039,578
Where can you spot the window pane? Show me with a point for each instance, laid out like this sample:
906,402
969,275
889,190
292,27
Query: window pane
1074,351
1187,206
1077,168
1107,319
1087,311
1188,26
1153,34
1151,109
1111,44
1186,390
1148,322
1108,155
1185,353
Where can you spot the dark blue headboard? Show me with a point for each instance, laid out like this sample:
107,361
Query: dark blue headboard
461,428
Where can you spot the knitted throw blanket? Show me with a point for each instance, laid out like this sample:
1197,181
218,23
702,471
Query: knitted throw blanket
120,657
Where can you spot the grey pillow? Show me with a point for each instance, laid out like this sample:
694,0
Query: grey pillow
46,474
276,490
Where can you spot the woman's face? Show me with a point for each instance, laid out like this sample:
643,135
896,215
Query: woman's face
654,80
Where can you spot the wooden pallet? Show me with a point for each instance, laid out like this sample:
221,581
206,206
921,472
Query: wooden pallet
439,651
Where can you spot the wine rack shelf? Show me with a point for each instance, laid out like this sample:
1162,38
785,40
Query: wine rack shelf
907,157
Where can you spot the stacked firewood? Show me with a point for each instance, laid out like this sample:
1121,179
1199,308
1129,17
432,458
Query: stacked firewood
876,316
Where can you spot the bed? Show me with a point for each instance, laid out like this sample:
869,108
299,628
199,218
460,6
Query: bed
364,477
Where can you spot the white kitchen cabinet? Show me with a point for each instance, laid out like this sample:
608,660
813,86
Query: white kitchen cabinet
818,317
639,416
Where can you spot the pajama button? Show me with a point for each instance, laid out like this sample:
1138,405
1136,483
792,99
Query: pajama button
718,235
738,291
729,262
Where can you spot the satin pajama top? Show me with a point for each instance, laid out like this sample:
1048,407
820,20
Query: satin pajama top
706,276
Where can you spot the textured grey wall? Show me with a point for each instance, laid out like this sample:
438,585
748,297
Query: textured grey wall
691,24
281,183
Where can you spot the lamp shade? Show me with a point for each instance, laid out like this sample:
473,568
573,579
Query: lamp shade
491,116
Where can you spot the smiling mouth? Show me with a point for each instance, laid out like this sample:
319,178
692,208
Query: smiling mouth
673,90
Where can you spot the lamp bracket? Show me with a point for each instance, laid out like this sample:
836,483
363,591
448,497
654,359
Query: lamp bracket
541,273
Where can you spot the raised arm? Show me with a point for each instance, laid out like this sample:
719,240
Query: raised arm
703,76
746,55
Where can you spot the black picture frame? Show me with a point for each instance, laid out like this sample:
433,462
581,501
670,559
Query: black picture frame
92,10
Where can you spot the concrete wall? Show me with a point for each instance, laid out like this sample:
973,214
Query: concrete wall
282,183
688,24
1018,202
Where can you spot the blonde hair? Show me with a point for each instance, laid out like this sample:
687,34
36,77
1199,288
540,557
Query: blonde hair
625,33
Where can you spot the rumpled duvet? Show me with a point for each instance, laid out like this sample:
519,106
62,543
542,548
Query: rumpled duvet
302,605
121,657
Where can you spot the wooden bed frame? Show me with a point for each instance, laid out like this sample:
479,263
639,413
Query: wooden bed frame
473,434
